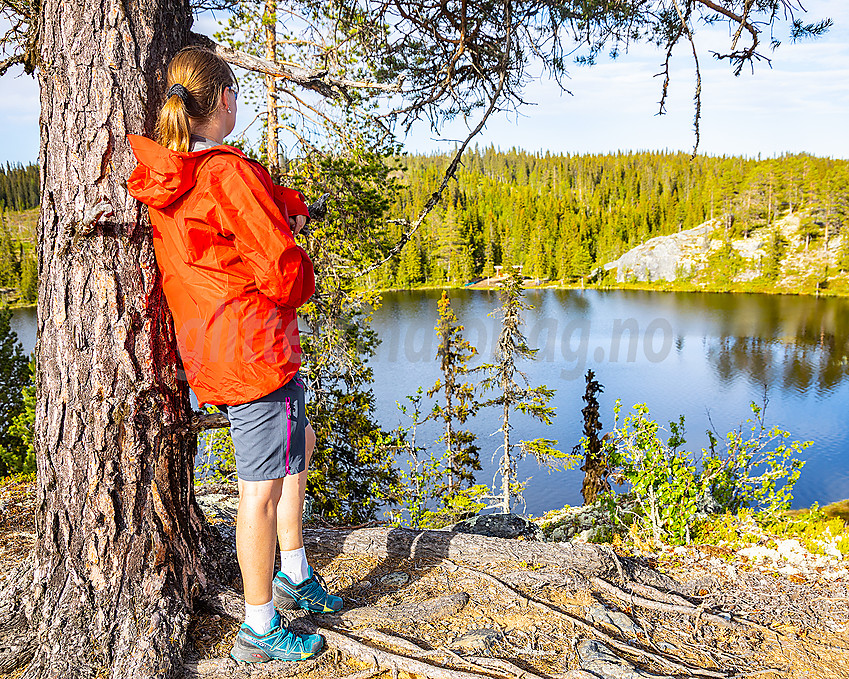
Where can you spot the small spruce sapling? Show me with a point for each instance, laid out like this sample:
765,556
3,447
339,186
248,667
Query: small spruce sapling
457,399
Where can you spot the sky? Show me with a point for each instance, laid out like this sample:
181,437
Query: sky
798,104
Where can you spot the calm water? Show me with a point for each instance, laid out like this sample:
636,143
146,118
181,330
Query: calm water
706,356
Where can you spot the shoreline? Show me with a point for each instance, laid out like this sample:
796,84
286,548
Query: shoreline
646,287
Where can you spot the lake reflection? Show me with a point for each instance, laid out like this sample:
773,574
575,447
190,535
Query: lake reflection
706,356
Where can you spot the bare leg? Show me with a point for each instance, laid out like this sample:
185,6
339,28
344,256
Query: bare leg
290,507
256,528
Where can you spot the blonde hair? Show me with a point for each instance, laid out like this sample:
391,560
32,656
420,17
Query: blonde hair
205,76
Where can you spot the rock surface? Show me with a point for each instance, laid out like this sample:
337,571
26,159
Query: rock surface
687,254
598,659
666,257
499,526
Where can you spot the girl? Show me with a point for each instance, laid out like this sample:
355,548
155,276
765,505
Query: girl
234,278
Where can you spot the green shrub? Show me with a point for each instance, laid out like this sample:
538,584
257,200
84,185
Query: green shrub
753,467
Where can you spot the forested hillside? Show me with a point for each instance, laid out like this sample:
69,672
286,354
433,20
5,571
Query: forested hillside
561,215
18,266
18,186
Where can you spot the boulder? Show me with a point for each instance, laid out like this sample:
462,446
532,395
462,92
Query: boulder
509,526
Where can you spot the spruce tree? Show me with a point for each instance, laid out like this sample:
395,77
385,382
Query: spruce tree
457,402
775,249
596,467
503,377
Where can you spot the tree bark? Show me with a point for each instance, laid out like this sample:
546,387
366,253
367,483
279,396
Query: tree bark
119,552
270,29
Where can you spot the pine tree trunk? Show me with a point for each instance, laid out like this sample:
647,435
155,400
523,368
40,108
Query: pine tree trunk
270,25
119,548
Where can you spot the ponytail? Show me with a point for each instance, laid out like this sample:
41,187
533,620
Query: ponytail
197,77
173,128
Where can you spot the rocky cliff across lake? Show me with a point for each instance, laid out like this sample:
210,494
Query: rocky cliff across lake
697,255
666,258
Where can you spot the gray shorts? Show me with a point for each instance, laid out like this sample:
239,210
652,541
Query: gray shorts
269,433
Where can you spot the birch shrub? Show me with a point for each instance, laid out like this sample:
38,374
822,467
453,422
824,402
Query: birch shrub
753,466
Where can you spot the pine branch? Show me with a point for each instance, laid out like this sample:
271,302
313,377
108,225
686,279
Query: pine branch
317,80
453,166
6,64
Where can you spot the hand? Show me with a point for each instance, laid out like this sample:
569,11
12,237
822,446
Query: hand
297,223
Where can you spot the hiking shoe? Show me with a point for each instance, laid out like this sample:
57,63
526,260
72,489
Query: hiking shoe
311,594
279,644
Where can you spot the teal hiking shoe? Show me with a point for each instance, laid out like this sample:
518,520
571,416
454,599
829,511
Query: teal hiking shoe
279,644
311,594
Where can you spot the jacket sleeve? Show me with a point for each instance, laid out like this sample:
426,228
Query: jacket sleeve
292,200
248,212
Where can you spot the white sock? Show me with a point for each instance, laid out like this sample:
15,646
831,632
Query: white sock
259,618
293,564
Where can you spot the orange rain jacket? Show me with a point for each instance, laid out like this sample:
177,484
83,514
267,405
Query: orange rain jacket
231,271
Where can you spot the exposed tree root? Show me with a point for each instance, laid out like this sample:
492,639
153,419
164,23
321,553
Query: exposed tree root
226,668
224,600
689,609
229,602
432,545
391,640
503,666
365,674
379,657
628,649
654,596
431,609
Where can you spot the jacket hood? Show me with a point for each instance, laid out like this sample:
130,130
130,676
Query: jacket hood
162,175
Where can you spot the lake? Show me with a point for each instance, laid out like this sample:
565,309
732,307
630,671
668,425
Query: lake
706,356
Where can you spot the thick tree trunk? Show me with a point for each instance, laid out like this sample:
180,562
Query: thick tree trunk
118,555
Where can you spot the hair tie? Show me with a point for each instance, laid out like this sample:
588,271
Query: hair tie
180,91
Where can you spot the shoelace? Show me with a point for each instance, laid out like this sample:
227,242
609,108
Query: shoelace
316,587
320,580
287,638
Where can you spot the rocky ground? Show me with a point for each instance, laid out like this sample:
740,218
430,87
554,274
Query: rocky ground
455,606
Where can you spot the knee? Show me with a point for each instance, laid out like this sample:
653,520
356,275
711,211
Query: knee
260,495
